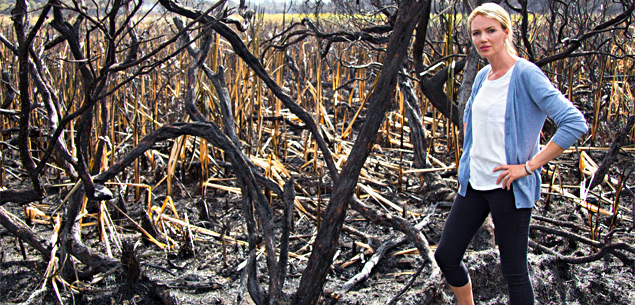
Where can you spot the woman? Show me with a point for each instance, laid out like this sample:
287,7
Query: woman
499,169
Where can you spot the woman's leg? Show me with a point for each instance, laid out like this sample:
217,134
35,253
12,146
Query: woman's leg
511,227
466,216
464,294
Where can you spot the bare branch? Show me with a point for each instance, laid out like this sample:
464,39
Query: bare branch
577,42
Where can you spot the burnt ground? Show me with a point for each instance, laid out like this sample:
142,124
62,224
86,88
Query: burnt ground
211,272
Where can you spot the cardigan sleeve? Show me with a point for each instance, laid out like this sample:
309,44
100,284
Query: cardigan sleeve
570,121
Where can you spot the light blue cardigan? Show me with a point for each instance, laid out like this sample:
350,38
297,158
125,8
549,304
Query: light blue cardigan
530,99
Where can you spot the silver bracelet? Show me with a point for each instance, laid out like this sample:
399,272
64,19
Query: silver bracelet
527,168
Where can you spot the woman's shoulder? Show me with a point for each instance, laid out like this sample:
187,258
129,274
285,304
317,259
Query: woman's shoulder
527,70
523,66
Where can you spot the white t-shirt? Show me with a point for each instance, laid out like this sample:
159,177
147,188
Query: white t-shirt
488,132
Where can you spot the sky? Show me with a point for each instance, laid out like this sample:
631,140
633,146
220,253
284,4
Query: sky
271,5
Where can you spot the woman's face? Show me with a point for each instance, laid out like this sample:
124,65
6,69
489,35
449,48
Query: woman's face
488,36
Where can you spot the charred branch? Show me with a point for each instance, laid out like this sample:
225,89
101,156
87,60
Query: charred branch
469,74
380,252
349,37
70,241
49,100
283,261
253,62
379,101
19,197
8,88
250,190
253,196
420,39
611,155
438,188
412,233
418,134
604,248
576,43
433,88
229,125
9,45
19,229
524,30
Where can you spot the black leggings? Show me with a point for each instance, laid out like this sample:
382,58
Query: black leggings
511,228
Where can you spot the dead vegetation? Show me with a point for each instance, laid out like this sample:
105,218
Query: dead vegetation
202,156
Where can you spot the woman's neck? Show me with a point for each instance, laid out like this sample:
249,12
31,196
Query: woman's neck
501,64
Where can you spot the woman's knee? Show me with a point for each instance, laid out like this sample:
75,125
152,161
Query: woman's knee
446,258
453,270
440,256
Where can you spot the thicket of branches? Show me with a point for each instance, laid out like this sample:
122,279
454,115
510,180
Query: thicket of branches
68,67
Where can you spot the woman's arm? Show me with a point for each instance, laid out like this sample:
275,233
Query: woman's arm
512,172
570,121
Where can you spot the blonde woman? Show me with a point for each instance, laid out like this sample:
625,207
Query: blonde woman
499,168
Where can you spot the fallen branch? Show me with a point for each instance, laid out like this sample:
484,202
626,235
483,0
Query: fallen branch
411,232
19,197
560,223
19,229
36,296
367,269
160,293
611,155
603,247
405,288
608,249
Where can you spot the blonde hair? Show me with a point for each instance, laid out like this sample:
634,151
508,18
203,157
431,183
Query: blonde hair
495,11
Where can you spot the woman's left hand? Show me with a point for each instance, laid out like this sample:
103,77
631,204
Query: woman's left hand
509,174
